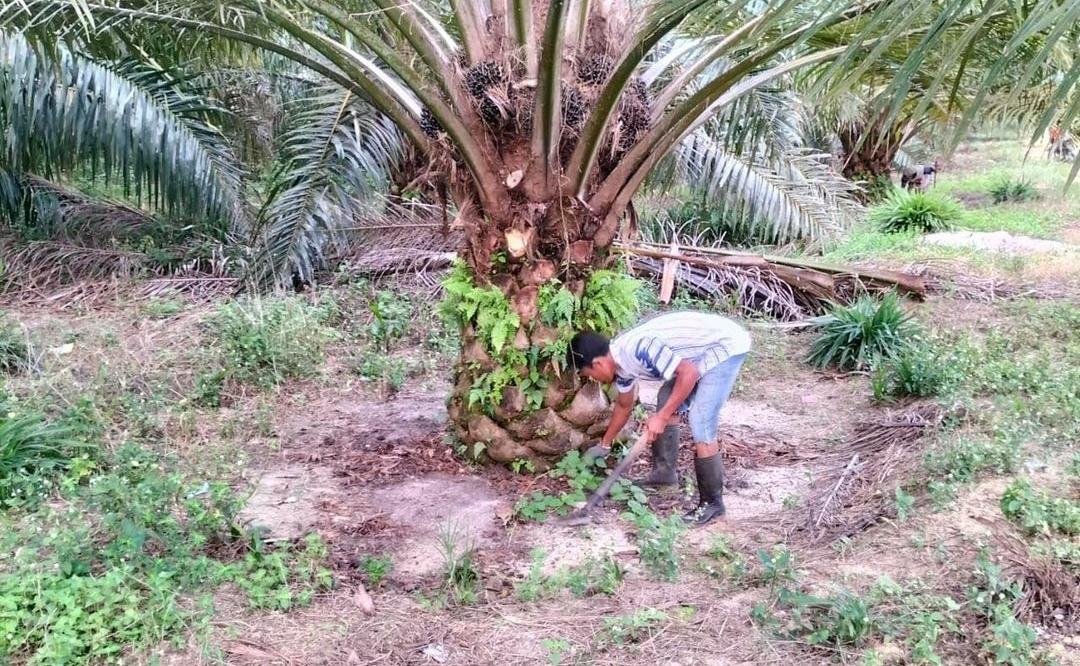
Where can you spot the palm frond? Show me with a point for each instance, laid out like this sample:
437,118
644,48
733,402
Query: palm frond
337,155
72,113
793,196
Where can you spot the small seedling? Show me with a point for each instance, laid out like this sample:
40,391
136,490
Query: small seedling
633,628
777,566
904,504
376,568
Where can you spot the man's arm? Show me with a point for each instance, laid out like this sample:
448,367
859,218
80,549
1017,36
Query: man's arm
686,378
620,414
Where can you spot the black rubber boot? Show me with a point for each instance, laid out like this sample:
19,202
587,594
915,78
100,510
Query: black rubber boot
665,460
710,481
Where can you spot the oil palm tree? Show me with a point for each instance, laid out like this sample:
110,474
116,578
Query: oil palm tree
541,120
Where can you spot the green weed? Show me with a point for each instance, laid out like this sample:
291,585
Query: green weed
657,540
964,459
1039,513
724,561
34,453
265,341
581,477
841,620
633,628
1009,190
162,308
392,314
777,566
460,578
593,576
284,578
920,211
924,369
857,336
556,650
376,569
390,371
116,584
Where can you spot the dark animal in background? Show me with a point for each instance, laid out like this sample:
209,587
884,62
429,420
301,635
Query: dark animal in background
919,177
1062,145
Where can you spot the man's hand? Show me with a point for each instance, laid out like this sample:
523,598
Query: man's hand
654,427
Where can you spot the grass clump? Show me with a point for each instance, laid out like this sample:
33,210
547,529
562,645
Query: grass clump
919,211
15,356
1008,190
857,336
265,341
34,453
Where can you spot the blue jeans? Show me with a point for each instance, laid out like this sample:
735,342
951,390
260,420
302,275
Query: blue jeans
707,399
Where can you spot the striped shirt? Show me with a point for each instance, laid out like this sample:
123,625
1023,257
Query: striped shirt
652,350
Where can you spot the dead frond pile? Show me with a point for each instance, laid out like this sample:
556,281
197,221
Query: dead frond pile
782,287
1051,595
945,277
856,488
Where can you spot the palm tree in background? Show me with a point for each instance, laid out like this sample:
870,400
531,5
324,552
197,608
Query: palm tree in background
539,121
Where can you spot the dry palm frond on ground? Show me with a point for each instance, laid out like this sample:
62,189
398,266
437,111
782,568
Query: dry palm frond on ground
856,486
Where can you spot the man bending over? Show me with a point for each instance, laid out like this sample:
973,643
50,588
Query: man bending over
698,356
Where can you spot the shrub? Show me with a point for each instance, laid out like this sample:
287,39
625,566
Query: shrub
1009,190
856,336
922,211
14,350
266,341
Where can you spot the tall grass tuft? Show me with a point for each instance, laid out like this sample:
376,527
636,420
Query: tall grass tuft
1016,190
922,211
856,336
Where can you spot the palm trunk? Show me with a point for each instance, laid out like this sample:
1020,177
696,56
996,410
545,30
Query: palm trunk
869,151
542,412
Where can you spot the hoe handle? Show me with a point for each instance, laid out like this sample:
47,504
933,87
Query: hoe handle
624,464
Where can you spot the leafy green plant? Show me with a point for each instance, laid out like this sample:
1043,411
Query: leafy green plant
1039,513
657,540
1010,642
392,314
905,210
209,386
905,502
284,578
581,477
1009,190
777,566
857,336
391,371
633,628
963,459
594,576
840,620
556,650
376,568
267,340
